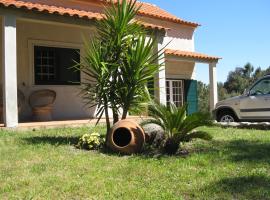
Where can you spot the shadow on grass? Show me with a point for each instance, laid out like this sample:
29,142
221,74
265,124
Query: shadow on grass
237,150
245,187
53,140
252,151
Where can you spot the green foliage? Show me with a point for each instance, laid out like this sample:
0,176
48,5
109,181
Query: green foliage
139,66
203,97
243,77
118,63
93,141
177,126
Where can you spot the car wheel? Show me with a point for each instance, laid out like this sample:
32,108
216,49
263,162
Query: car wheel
227,116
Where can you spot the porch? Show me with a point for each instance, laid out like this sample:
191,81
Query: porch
29,126
177,80
21,34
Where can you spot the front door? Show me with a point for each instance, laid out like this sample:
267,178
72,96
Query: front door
175,92
257,104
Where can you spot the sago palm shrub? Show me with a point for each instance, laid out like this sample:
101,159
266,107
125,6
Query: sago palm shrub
178,127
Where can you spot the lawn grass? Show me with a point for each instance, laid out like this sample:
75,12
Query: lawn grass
45,165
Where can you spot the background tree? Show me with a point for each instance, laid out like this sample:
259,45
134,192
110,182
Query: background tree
243,77
203,97
239,79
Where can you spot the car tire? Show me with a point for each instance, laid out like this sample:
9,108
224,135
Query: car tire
226,116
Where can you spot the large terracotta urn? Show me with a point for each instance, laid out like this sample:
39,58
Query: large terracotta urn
126,136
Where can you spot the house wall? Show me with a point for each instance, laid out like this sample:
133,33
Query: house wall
176,70
180,69
179,37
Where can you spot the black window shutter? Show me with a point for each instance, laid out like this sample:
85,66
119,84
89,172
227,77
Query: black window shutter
63,61
67,74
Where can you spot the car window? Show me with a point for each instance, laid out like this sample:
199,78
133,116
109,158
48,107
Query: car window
261,88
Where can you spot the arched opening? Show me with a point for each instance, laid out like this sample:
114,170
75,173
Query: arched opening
122,137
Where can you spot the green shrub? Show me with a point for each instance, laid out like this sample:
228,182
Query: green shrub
91,141
178,127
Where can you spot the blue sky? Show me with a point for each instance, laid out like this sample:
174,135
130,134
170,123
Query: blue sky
236,30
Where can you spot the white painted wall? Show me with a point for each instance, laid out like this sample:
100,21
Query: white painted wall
9,70
179,69
178,37
161,76
213,98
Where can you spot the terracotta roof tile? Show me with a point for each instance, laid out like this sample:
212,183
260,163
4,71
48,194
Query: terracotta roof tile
50,9
152,10
188,54
156,12
152,26
82,9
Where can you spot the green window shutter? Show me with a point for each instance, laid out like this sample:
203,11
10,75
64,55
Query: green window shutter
191,96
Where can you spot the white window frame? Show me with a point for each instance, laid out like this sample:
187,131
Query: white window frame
171,90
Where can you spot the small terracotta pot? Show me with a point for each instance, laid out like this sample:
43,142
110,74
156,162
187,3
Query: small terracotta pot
126,137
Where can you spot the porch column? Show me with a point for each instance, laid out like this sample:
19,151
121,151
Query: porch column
162,74
9,73
213,85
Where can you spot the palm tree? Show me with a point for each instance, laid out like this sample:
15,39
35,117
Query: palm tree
177,126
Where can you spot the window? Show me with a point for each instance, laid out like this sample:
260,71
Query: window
52,66
261,88
175,92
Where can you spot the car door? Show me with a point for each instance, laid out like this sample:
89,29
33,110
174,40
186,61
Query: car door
256,105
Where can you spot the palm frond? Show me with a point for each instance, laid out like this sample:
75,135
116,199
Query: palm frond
119,61
175,121
195,120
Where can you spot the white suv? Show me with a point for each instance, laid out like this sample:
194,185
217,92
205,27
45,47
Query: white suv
253,105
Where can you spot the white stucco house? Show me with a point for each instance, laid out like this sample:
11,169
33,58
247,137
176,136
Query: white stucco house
39,36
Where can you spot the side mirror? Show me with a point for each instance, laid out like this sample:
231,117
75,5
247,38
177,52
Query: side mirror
246,92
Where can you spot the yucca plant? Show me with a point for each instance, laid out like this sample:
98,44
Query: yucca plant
139,66
178,127
118,63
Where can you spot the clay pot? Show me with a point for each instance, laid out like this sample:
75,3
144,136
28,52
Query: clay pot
126,137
